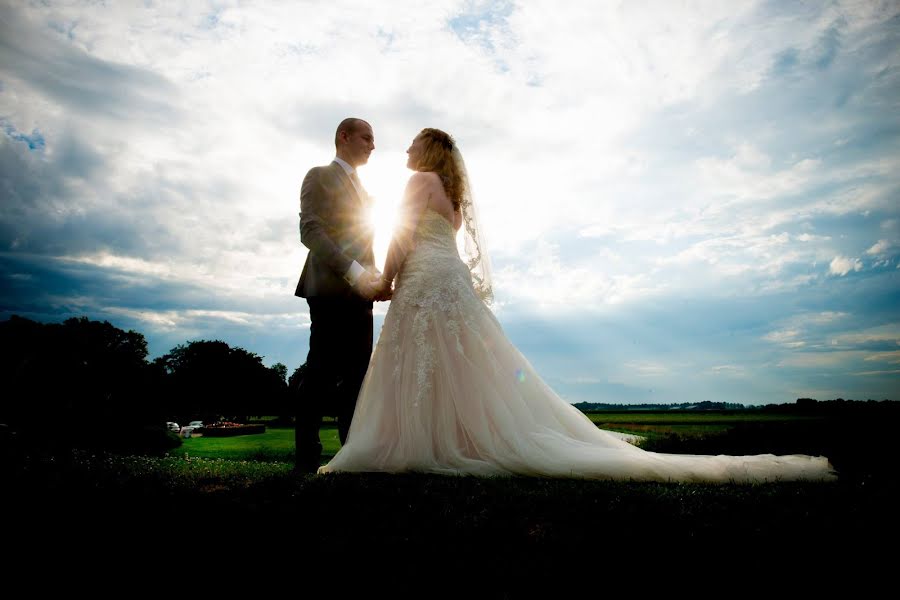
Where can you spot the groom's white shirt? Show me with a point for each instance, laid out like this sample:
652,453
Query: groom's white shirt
356,270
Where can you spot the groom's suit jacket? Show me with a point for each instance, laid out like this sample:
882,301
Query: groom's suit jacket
334,225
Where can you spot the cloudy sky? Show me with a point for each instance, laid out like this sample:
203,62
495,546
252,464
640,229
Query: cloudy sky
683,201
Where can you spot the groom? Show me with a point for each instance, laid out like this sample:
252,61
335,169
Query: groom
339,282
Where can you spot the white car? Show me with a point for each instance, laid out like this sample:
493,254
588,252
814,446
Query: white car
188,430
173,426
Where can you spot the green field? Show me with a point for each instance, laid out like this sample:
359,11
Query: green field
653,425
275,445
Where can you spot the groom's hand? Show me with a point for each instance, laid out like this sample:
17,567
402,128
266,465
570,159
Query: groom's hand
384,291
367,285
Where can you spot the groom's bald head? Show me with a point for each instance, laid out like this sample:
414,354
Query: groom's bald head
349,126
354,141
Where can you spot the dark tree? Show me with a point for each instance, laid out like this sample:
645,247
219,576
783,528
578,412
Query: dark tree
280,370
297,377
208,380
78,383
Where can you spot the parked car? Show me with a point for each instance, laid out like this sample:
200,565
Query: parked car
173,426
188,430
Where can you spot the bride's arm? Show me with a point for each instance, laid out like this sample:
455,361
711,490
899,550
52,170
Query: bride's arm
415,201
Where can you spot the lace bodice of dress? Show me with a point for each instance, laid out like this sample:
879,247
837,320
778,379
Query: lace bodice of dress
434,266
433,287
436,233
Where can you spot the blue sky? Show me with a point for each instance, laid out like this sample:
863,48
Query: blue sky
683,201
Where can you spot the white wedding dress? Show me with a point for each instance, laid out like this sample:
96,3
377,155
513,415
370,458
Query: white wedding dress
446,392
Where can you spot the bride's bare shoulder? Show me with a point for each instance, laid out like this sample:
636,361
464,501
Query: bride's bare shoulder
424,178
423,184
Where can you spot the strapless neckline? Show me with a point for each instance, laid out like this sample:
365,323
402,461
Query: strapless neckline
441,217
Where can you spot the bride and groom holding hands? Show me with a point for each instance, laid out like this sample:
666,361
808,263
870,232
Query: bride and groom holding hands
444,391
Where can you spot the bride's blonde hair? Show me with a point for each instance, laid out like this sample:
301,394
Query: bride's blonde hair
436,157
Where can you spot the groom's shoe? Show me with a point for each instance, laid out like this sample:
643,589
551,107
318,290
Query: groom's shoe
306,467
308,462
307,457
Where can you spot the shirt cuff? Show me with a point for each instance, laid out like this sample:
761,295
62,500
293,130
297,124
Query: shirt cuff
354,272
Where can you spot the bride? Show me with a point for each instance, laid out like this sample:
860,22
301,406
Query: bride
446,392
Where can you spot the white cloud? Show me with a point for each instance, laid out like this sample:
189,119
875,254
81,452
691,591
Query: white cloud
819,360
746,176
878,373
586,284
804,330
190,318
822,317
806,237
785,337
880,247
888,357
883,333
647,368
729,370
841,265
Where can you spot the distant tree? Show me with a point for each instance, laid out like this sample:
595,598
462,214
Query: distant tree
280,370
297,376
208,380
288,408
704,405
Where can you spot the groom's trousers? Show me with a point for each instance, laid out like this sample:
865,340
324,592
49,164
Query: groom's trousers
340,346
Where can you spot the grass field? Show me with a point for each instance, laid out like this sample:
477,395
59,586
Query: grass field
277,444
654,425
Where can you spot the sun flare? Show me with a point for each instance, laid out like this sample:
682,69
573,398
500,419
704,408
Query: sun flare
384,178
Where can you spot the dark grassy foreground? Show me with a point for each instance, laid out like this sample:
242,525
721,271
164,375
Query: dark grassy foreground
517,520
218,510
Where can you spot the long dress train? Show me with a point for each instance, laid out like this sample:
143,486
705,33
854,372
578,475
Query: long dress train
446,392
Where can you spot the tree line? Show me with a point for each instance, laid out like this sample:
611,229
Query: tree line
838,406
89,383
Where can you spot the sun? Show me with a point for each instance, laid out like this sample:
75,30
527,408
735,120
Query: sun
384,177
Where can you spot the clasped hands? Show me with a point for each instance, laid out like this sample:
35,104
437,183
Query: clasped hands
372,286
